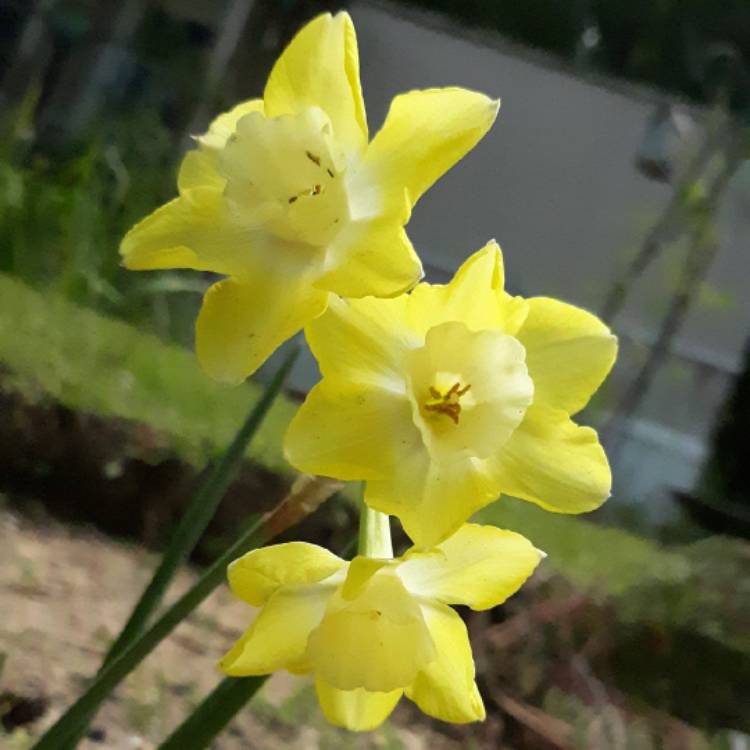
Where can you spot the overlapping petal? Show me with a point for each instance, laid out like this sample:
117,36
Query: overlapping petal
287,189
363,341
346,431
198,169
199,166
452,489
569,352
425,133
475,296
374,628
278,637
223,126
193,231
258,574
445,688
242,321
372,257
320,68
555,463
359,710
478,566
376,640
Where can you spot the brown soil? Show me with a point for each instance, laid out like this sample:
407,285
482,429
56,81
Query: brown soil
65,592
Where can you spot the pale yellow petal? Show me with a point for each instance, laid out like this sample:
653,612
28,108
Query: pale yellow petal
425,133
478,566
377,640
357,710
278,637
475,296
446,688
569,352
453,489
192,231
363,341
242,322
220,130
551,461
371,258
320,68
400,491
197,170
259,573
349,431
360,572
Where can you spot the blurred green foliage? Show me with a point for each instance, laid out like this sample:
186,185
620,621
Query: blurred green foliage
63,212
96,364
702,587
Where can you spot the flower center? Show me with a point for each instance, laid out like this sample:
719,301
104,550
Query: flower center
447,402
286,175
326,173
468,390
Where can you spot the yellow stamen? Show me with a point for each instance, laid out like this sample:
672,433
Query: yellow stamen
447,403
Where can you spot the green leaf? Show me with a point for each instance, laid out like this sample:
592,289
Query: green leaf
201,510
213,714
219,707
132,647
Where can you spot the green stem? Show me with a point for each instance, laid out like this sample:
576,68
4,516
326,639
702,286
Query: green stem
217,709
122,664
195,520
374,531
305,496
201,510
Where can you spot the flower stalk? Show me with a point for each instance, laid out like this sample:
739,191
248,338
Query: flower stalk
374,532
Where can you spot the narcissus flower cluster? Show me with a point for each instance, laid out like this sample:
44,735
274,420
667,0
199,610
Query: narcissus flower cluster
439,398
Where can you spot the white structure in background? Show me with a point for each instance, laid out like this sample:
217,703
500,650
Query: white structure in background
556,183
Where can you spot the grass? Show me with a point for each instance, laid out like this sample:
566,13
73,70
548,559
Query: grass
95,364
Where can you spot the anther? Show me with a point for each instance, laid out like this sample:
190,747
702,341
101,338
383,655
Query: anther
447,403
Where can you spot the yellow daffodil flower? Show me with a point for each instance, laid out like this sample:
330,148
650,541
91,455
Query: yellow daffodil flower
286,198
373,629
444,398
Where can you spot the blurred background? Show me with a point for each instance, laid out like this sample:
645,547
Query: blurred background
616,178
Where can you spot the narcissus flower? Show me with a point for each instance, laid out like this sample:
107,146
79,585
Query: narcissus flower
286,198
375,629
444,398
